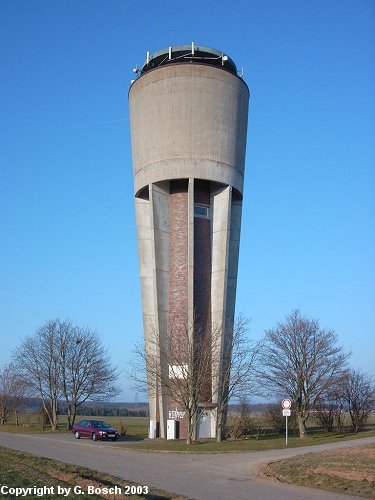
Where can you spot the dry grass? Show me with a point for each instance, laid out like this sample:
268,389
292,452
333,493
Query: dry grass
350,470
23,470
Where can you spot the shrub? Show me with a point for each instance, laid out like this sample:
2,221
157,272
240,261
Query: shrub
276,420
244,425
43,418
122,430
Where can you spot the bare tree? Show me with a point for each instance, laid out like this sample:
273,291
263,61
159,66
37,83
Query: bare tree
242,423
197,368
62,360
301,360
85,370
359,394
38,361
239,358
330,407
179,364
19,392
6,389
277,421
326,414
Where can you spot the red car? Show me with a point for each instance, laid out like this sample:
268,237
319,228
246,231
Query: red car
95,430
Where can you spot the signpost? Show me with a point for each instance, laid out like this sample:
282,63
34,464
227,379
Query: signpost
286,405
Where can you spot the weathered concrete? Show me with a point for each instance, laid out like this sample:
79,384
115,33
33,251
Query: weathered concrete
188,121
188,124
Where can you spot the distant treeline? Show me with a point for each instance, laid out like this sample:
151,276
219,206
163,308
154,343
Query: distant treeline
253,407
123,409
96,409
110,411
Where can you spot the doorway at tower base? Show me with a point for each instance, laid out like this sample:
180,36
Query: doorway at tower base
154,429
206,425
177,425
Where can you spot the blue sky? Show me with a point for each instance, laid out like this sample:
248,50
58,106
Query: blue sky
68,239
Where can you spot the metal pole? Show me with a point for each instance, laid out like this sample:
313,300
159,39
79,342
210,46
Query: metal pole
286,431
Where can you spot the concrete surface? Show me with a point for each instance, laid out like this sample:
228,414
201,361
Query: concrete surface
188,121
229,476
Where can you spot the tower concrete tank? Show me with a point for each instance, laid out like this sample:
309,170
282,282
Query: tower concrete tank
188,114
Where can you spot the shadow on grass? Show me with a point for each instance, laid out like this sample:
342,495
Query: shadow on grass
133,437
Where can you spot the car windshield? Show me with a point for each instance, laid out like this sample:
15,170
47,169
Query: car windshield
99,423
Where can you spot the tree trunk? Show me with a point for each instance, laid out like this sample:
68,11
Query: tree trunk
4,416
48,413
219,426
192,429
54,422
69,423
339,421
356,425
194,434
52,414
219,433
74,414
302,427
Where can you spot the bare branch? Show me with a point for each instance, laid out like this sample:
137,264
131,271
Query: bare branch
301,360
63,360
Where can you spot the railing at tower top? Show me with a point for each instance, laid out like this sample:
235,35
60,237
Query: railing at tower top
187,54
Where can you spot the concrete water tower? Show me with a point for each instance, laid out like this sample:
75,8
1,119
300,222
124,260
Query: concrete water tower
188,114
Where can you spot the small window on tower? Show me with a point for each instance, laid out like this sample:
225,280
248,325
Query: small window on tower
201,211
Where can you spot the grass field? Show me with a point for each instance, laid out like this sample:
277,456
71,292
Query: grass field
350,471
22,470
271,442
137,430
136,427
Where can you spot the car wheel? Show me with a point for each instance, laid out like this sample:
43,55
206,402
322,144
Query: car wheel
94,438
114,439
77,435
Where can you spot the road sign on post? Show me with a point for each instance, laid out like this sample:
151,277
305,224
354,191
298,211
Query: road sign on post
286,405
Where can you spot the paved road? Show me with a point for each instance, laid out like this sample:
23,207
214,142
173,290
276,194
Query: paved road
230,476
